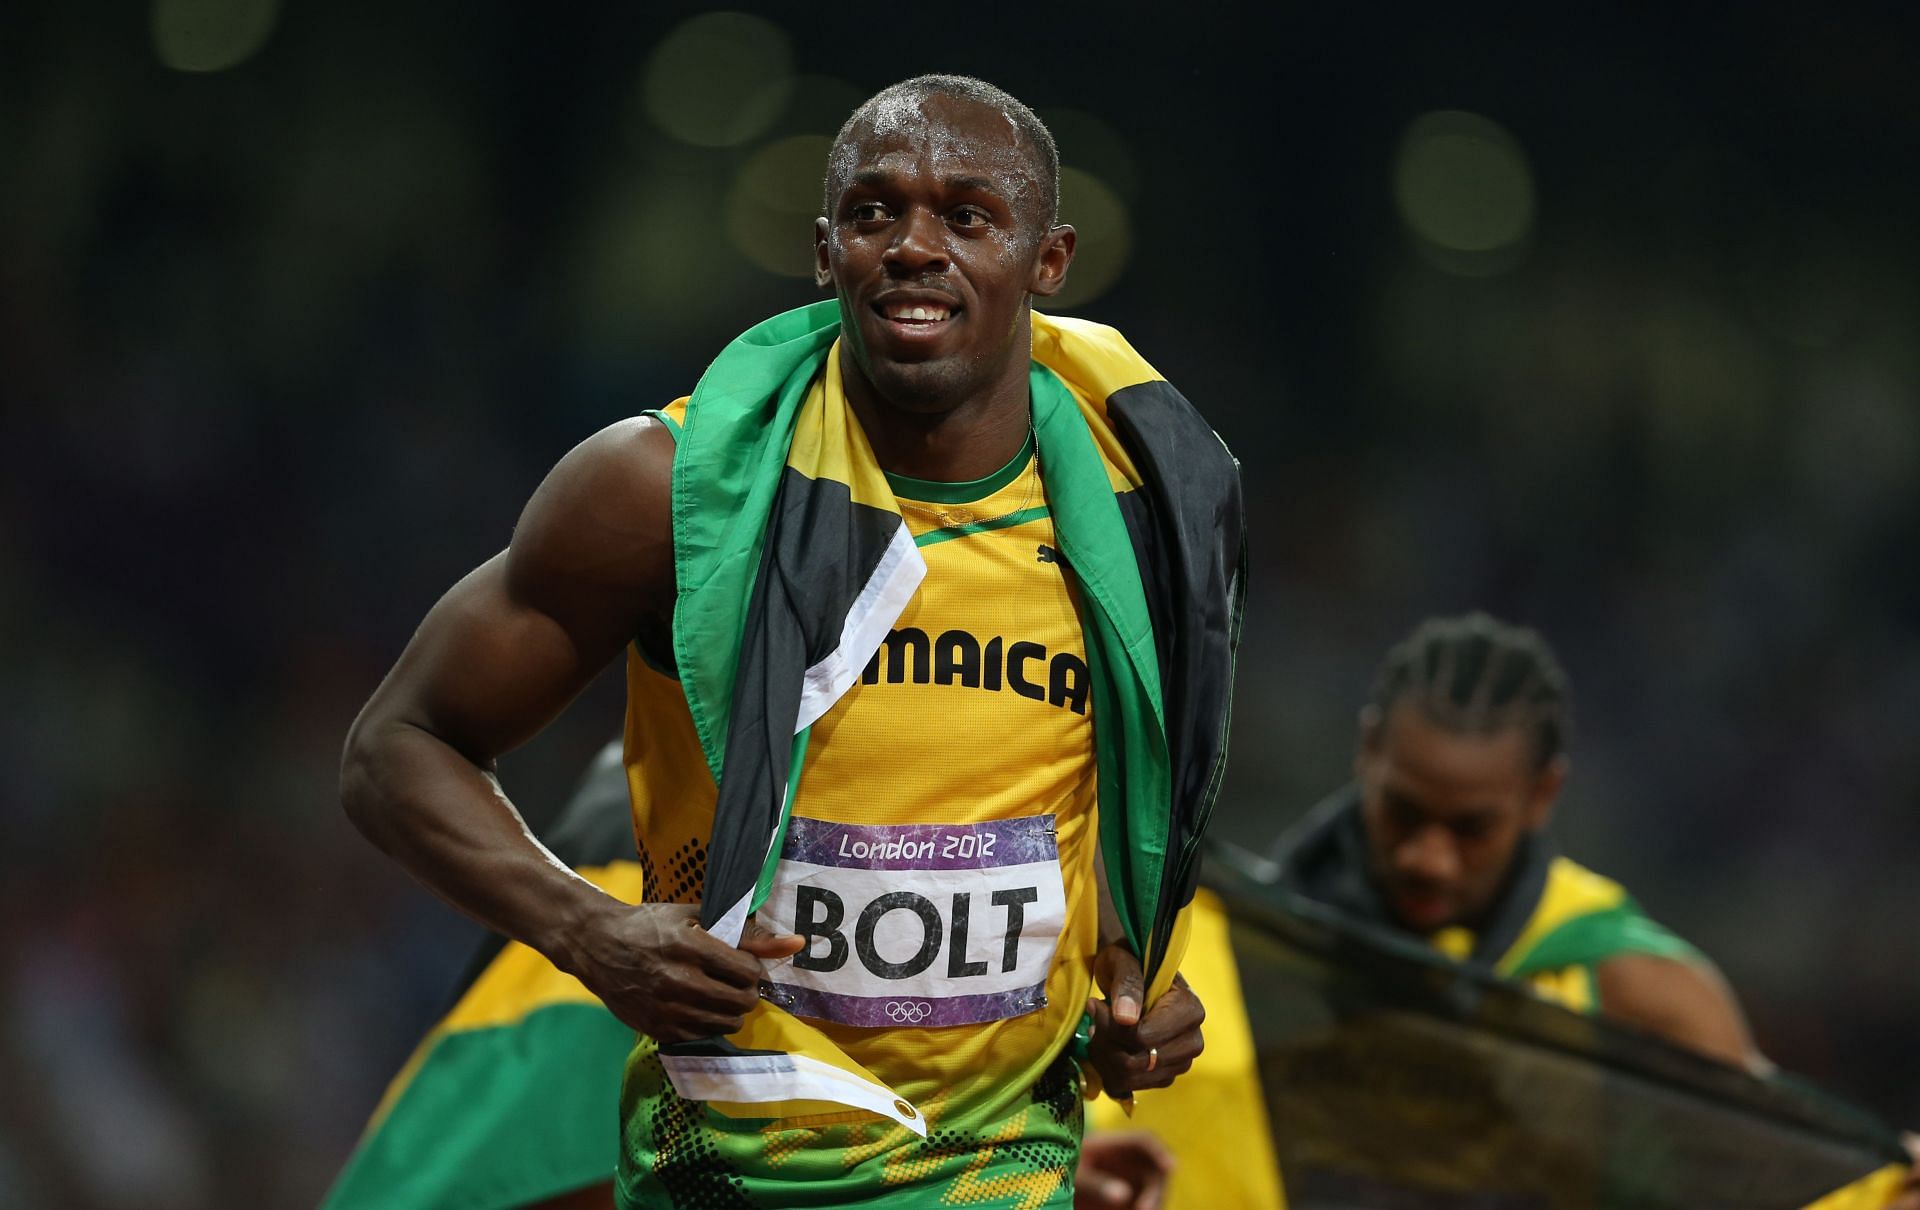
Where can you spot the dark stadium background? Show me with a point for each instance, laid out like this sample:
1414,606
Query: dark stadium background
298,301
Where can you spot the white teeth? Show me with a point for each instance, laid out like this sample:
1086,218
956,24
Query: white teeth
917,312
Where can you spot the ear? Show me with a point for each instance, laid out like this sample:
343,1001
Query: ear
1545,792
822,269
1371,726
1050,261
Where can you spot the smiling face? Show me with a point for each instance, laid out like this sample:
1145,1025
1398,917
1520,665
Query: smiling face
1445,811
936,236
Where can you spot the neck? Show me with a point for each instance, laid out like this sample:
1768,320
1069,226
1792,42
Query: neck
970,440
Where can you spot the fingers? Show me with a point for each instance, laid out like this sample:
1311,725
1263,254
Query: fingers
693,1029
1107,1174
1124,1072
1106,1190
726,984
682,1007
1102,1015
666,976
1107,1027
734,966
1118,973
684,1003
1157,1050
1156,1153
1176,1013
1159,1066
1122,1168
763,943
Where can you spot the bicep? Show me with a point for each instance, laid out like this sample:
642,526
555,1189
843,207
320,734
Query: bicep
1687,1003
485,670
519,637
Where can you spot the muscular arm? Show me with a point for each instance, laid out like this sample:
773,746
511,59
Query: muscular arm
1685,1003
590,566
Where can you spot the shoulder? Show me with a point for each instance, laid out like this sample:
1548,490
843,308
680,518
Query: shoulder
603,517
1682,999
1582,919
628,456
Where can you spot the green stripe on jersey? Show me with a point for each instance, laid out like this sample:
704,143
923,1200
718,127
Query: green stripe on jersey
1594,938
980,527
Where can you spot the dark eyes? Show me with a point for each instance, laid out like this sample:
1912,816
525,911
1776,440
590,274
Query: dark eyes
1404,816
965,218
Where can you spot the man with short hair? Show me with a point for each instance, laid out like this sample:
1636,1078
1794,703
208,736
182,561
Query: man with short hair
910,583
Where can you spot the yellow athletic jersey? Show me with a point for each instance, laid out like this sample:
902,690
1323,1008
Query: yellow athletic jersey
939,861
975,712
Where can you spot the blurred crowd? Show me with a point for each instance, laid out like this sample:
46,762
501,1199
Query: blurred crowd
298,302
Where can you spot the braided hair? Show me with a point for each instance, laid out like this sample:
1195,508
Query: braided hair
1477,674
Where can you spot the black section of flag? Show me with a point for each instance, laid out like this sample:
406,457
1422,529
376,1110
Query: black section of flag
821,550
1188,526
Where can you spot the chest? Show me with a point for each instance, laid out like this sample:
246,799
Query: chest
978,703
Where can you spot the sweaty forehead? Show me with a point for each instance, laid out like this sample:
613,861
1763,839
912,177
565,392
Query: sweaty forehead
946,137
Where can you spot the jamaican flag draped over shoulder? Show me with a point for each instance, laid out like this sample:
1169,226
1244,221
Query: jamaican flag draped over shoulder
793,561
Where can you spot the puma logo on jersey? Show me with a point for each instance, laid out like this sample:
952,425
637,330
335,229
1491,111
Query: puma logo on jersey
1048,554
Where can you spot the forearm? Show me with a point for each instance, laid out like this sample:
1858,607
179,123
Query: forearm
447,821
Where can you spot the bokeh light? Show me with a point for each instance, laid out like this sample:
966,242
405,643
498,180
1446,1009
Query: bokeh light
718,80
211,35
1805,284
1854,451
1707,395
1464,191
1089,143
653,258
774,198
818,105
1105,241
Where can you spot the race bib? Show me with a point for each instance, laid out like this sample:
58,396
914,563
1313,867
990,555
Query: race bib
917,924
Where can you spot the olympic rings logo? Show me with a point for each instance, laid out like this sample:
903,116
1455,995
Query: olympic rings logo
909,1012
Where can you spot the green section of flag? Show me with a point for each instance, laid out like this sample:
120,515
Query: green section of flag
724,487
498,1117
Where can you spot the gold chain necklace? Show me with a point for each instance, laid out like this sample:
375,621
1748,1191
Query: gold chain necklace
961,516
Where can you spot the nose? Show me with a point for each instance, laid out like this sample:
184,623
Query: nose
918,244
1428,855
